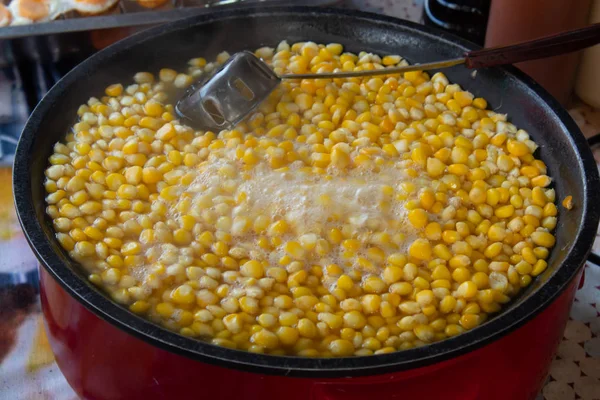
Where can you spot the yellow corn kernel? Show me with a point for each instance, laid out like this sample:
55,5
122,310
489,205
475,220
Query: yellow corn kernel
480,103
295,250
427,199
541,181
114,90
467,289
374,284
418,218
447,304
469,321
183,294
539,267
278,228
341,348
265,339
464,99
351,245
544,239
340,157
420,249
435,167
252,269
568,202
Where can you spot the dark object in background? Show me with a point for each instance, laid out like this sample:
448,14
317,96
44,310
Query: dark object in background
465,18
40,61
15,305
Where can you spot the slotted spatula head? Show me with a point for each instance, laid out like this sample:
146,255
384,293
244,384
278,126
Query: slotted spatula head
225,98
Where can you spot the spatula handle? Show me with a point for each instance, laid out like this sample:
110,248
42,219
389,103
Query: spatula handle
560,43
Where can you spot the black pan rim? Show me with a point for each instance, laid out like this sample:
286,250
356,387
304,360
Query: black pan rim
143,329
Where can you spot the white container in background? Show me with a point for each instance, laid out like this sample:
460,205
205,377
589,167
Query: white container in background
587,86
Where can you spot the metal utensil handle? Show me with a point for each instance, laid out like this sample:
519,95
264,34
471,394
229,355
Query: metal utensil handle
561,43
374,72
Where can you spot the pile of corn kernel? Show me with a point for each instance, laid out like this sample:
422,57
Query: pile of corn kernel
344,217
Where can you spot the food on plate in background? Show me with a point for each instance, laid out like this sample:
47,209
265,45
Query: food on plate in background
30,11
151,3
5,16
90,7
21,12
40,353
9,226
343,217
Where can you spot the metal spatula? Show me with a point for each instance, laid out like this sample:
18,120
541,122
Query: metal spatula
235,89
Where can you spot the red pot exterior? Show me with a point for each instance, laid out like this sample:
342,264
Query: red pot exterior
102,362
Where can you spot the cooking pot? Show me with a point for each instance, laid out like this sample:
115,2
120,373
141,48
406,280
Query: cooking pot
106,352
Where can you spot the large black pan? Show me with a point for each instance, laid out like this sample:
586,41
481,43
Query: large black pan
562,147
